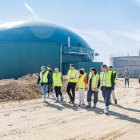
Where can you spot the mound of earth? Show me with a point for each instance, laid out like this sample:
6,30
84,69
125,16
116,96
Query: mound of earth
24,88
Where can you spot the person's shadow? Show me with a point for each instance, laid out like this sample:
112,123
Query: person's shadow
129,109
70,106
54,106
124,117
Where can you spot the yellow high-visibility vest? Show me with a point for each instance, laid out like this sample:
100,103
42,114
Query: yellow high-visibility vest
57,79
89,76
81,83
107,80
72,74
95,81
44,77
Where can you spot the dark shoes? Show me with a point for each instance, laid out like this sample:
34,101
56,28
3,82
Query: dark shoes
115,101
88,106
62,98
94,106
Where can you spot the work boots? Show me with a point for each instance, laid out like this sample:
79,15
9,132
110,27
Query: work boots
89,105
62,98
94,106
57,100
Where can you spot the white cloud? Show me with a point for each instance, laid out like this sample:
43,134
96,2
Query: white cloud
31,10
133,35
94,36
137,1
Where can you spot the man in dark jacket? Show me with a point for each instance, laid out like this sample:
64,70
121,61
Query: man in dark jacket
113,90
50,84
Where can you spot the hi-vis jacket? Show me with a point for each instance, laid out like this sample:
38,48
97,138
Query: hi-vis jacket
73,76
95,82
43,77
57,79
109,80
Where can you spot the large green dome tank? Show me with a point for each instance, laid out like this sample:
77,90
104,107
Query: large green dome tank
25,46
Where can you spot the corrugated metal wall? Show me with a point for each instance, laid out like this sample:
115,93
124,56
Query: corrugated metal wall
19,59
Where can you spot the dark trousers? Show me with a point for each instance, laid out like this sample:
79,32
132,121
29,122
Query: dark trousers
127,81
58,91
106,95
50,87
89,96
71,87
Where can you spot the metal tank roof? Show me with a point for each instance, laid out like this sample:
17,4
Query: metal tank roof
42,32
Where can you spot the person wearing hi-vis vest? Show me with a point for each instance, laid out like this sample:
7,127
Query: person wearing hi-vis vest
81,86
43,79
106,85
84,71
72,80
57,83
93,88
113,90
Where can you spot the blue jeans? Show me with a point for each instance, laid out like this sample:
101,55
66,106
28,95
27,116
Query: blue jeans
44,90
127,81
106,94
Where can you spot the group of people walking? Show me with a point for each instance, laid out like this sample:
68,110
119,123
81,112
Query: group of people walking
80,80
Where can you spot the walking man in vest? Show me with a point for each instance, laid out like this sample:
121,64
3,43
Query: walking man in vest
57,82
113,93
72,80
106,84
43,79
93,88
81,85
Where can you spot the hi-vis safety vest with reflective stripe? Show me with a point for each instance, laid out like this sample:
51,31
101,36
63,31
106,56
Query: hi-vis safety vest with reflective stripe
44,77
72,74
89,76
81,83
95,81
107,79
57,79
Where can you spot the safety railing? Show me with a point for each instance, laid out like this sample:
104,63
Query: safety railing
87,52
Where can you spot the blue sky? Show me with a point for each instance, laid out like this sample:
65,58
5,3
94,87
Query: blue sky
109,26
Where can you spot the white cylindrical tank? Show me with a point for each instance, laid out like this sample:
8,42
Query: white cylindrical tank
124,62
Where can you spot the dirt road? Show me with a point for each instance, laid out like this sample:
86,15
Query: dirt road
34,120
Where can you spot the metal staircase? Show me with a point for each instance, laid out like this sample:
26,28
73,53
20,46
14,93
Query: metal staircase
86,53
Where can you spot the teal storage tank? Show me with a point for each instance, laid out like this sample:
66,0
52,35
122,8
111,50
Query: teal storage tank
25,47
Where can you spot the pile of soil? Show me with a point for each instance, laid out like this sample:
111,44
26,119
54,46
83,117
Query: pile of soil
24,88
